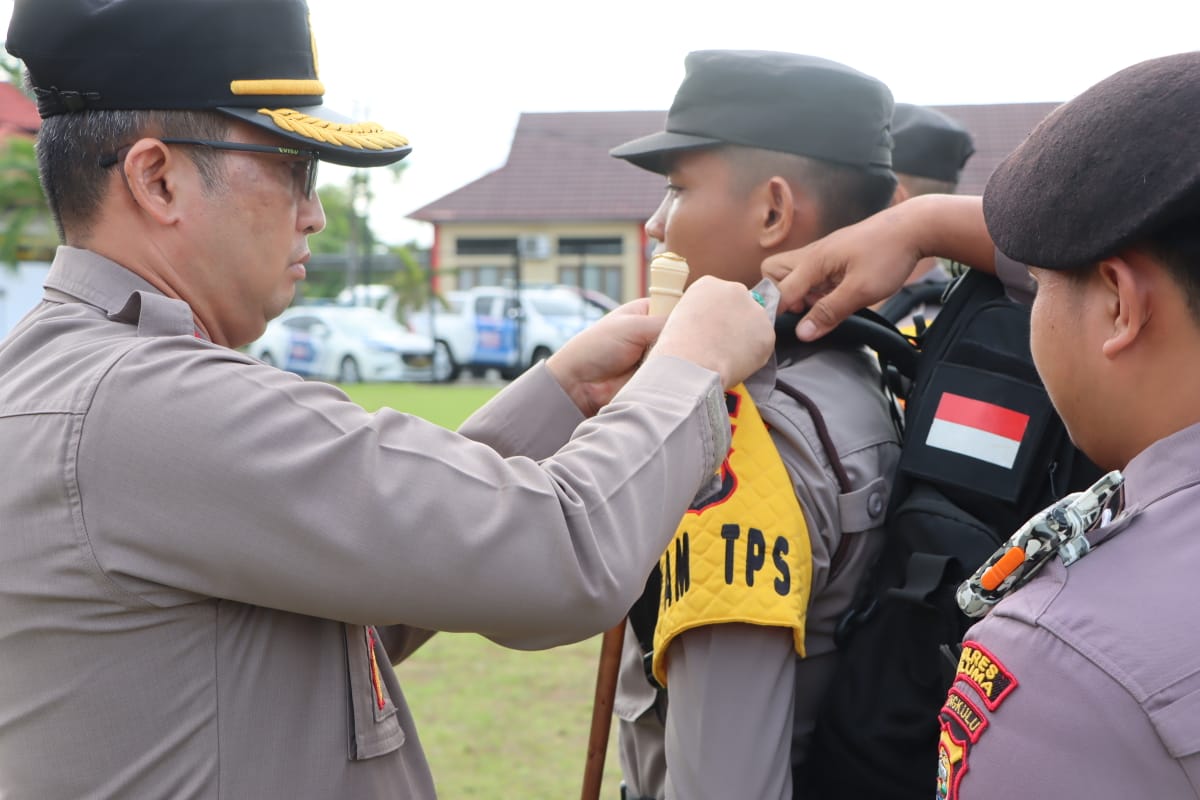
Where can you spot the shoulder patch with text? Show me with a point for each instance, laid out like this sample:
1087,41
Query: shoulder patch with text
961,720
962,723
983,671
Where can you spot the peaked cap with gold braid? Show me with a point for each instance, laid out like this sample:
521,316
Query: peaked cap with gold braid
252,59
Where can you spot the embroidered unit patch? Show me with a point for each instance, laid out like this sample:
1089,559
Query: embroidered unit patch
980,669
962,722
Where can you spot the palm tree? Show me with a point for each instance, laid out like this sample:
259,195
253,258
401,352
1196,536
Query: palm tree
412,283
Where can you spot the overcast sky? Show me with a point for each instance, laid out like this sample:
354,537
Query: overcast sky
454,76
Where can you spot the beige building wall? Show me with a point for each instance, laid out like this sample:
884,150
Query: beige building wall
457,270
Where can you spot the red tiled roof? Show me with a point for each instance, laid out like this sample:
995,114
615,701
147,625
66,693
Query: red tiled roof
997,130
559,168
17,112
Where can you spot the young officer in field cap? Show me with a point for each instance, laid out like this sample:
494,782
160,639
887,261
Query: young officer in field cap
762,152
1086,677
929,151
208,565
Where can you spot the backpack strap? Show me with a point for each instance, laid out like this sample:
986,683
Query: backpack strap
863,328
911,296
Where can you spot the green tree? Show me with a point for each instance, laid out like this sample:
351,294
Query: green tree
26,227
14,70
411,281
336,236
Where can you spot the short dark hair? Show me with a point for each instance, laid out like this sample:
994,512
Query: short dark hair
918,185
849,194
1177,248
846,194
70,146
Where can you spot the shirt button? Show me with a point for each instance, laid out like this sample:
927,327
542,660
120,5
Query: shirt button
875,504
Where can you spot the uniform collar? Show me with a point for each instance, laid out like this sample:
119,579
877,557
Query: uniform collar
86,277
1164,468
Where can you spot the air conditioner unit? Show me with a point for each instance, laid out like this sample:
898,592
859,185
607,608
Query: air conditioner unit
534,246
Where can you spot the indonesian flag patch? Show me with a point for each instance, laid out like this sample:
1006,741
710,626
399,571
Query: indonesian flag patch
980,431
977,429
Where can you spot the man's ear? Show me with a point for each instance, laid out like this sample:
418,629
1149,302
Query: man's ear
1128,298
787,214
151,173
900,195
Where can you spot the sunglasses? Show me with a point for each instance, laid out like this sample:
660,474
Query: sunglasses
307,181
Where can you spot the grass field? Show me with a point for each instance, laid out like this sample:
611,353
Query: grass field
495,723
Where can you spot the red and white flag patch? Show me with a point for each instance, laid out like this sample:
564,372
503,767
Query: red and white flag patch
977,429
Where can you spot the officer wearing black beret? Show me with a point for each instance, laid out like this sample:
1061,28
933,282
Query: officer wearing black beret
1086,676
207,565
762,152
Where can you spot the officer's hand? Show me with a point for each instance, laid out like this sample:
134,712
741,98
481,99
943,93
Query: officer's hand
595,363
862,264
720,326
849,269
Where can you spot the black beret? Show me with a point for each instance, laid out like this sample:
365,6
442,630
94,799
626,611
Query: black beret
252,59
773,101
1104,171
928,144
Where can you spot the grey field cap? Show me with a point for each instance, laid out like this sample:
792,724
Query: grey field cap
929,144
1109,168
786,102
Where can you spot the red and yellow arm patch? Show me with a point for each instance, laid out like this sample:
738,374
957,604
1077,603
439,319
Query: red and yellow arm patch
983,671
962,721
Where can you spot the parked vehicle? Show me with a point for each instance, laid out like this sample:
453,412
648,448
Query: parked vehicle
346,344
503,328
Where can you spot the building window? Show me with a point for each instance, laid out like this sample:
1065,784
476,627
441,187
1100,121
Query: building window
470,277
596,277
590,246
471,246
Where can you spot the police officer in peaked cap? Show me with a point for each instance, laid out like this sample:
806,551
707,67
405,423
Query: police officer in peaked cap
208,566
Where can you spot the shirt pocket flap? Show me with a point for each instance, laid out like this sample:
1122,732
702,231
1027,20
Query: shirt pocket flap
375,729
1174,713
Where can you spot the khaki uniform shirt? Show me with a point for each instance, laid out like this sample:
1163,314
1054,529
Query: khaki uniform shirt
740,700
207,564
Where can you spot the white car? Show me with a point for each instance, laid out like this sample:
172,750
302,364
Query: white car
346,344
499,327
